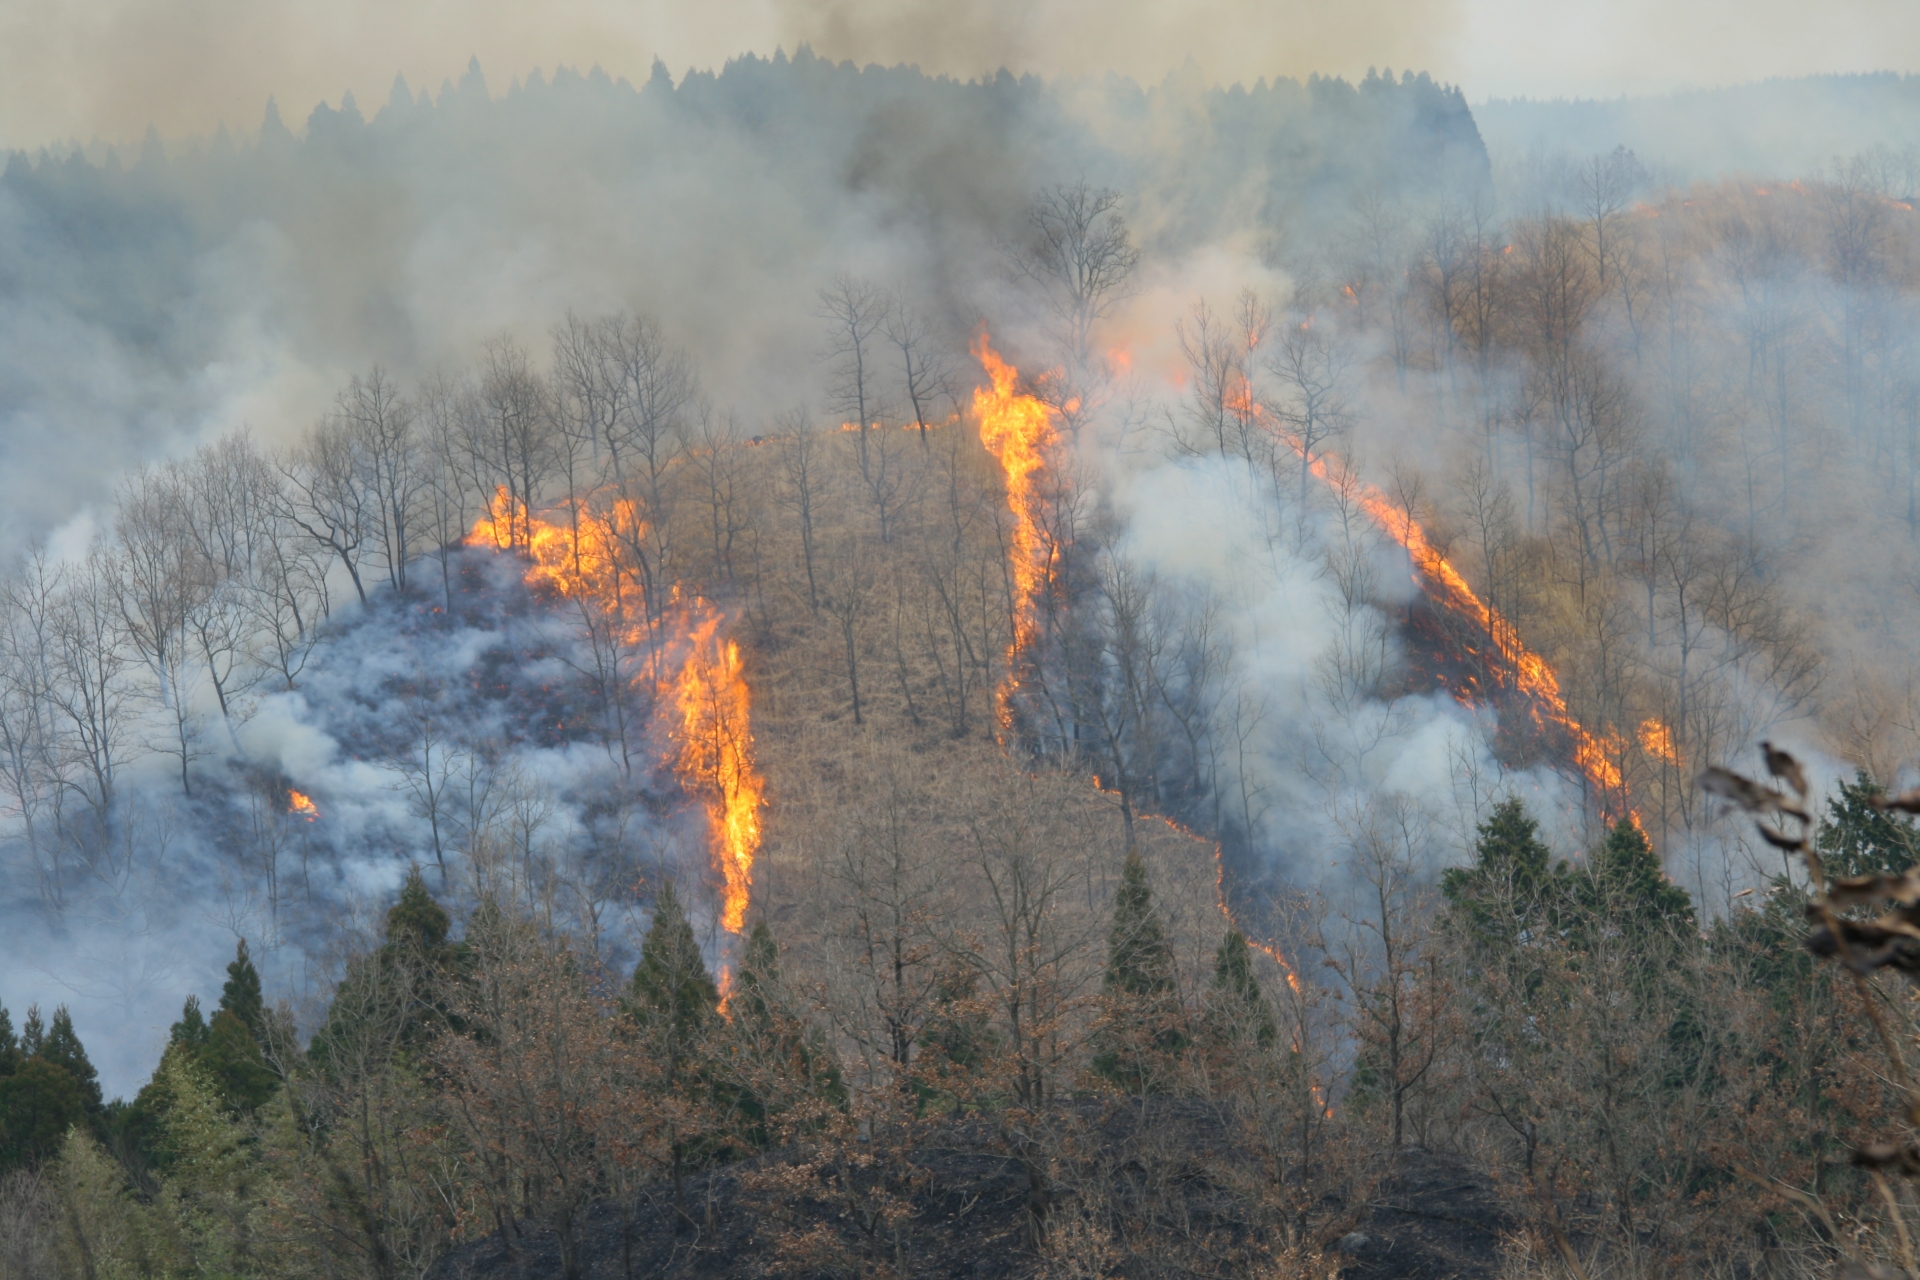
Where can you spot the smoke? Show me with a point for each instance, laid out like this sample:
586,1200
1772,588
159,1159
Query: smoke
109,68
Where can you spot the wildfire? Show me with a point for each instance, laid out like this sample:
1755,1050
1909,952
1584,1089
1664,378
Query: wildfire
579,555
1017,429
716,756
1657,741
302,804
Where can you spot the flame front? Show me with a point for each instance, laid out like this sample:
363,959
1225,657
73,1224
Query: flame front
716,757
302,804
1657,741
1017,429
582,559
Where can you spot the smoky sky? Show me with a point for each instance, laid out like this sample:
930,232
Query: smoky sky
79,69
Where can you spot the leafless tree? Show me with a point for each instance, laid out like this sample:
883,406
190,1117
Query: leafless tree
384,424
1079,254
854,312
159,583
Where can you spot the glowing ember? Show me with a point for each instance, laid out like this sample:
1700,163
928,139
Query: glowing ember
716,758
302,804
1017,429
1657,741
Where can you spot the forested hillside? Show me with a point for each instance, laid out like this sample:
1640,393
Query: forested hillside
848,650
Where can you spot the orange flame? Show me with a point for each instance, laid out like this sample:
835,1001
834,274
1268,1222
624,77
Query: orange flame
714,756
302,804
1657,741
1017,429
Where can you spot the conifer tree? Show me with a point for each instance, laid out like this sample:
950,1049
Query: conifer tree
10,1055
671,993
63,1049
1628,887
1238,1008
1512,888
190,1032
233,1062
773,1067
416,920
241,995
1857,839
957,1040
33,1033
39,1103
1142,1020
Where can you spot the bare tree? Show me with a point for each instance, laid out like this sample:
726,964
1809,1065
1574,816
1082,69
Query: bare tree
1078,252
926,371
384,424
855,313
326,495
804,489
159,584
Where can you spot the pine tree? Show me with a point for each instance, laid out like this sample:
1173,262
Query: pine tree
39,1103
63,1049
1139,962
957,1041
233,1062
1627,886
1512,889
190,1032
33,1034
241,995
416,920
1856,839
1141,1027
10,1055
772,1067
672,994
1238,1009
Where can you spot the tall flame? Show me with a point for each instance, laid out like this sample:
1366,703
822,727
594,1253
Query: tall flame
716,755
1017,429
581,558
302,804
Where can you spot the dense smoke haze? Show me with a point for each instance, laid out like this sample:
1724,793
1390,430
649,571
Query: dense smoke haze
1309,254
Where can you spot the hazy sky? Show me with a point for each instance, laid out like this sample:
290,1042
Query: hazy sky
80,68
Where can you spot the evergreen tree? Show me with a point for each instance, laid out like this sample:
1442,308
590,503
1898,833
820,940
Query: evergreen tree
33,1033
39,1103
672,995
1856,839
10,1055
1626,886
1238,1010
416,920
241,995
957,1041
1512,889
1141,1030
772,1066
190,1032
63,1049
1139,961
234,1065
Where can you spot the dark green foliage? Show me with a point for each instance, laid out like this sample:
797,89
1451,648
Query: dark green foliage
241,994
672,994
1139,962
1512,889
1237,1009
38,1104
416,920
63,1049
1142,1031
772,1068
190,1032
233,1062
1626,887
33,1033
405,987
957,1041
10,1055
1856,839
